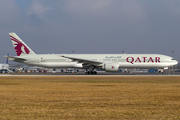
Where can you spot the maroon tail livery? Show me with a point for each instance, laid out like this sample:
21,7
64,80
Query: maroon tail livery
19,46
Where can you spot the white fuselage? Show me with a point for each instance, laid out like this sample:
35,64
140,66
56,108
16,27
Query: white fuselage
107,62
123,60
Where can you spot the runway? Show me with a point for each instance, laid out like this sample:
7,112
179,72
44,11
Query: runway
98,75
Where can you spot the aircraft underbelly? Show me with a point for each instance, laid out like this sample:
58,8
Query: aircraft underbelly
79,65
57,65
144,65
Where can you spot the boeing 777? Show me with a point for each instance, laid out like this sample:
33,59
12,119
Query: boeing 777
107,62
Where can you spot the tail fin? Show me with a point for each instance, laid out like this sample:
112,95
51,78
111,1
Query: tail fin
20,47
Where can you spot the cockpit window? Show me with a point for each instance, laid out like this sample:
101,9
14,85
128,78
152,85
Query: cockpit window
172,59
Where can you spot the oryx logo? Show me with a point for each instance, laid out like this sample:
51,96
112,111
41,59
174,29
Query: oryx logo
19,47
112,67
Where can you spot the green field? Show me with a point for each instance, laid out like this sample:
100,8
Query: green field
89,98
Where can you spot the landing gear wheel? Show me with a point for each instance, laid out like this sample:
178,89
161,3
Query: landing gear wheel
92,72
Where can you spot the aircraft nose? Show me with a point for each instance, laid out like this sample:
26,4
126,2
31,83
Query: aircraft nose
175,62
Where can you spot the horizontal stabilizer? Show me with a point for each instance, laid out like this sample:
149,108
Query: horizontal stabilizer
16,59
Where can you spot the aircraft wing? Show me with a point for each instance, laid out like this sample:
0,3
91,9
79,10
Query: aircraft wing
84,61
16,59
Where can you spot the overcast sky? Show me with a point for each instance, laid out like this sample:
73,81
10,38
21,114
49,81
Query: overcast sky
92,26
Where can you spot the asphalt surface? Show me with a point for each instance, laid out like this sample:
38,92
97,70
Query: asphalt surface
82,74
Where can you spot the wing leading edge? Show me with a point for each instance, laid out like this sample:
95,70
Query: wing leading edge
84,61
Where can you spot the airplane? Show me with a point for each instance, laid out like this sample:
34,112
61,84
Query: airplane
106,62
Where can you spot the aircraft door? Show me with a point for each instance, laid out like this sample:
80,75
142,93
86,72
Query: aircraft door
38,60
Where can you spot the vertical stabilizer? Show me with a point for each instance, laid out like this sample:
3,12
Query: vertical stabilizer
20,47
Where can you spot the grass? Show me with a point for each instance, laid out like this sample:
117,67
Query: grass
89,98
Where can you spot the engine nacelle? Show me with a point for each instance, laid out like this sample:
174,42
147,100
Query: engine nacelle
111,67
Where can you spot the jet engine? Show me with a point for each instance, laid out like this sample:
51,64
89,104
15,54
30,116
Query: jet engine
111,67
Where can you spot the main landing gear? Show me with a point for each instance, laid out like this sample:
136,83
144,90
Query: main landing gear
91,72
91,68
